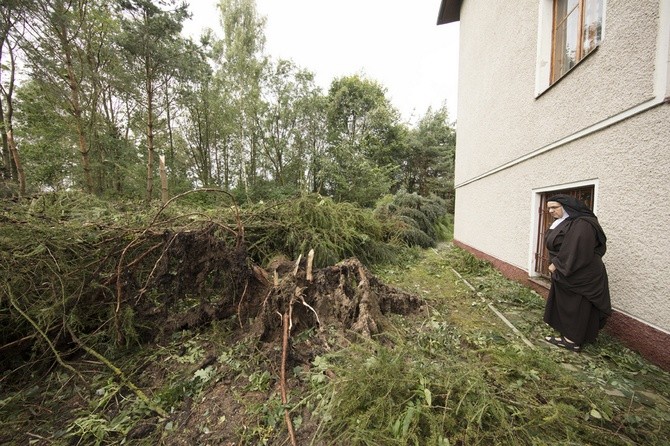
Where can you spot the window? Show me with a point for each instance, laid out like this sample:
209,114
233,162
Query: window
577,30
585,194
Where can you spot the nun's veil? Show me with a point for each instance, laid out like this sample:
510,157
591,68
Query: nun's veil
577,209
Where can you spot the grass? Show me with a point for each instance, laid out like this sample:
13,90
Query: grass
463,376
456,376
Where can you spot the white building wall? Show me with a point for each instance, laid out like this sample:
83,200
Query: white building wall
497,78
501,122
630,163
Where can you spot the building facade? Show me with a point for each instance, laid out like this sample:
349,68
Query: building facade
569,96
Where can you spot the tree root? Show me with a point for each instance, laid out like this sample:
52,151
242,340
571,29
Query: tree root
120,267
345,294
286,321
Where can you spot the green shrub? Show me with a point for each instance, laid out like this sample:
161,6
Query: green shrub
422,221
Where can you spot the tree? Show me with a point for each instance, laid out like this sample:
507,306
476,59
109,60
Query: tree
44,132
112,84
200,102
286,92
239,54
73,59
105,83
12,14
57,57
429,166
353,102
311,139
151,41
362,126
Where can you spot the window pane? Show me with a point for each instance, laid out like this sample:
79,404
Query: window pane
593,13
566,39
577,32
572,39
564,8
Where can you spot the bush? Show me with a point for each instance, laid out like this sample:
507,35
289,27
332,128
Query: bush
422,221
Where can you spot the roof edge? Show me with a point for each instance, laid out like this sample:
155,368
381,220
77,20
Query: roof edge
450,11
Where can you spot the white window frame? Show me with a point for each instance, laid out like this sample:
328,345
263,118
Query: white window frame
545,23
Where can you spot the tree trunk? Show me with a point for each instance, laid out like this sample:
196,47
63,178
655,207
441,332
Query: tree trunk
75,103
150,133
5,161
226,163
169,122
5,168
14,166
164,183
17,162
253,159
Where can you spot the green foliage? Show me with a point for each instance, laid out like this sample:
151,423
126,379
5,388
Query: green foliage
46,138
430,157
61,254
453,375
423,221
59,262
382,397
264,190
389,401
354,109
354,179
363,134
221,111
334,230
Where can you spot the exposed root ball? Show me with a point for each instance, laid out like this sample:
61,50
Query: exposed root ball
345,296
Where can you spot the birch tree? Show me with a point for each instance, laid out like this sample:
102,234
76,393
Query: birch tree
286,92
241,61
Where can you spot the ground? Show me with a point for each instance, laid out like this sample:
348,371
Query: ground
241,377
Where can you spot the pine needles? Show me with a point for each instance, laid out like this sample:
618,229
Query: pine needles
421,221
438,384
61,269
447,377
335,231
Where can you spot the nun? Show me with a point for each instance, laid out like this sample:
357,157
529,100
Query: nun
579,298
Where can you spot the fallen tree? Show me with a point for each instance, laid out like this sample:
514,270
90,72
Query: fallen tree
70,283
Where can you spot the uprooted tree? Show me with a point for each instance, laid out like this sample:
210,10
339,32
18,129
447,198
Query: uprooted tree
71,286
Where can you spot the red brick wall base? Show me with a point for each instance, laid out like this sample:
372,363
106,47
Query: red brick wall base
650,342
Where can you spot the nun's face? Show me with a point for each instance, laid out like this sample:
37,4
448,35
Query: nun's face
555,209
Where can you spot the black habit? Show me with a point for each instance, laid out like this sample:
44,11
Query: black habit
579,297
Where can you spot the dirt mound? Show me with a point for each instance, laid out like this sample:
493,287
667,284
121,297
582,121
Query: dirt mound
345,296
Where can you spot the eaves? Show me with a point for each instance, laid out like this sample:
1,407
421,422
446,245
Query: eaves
450,11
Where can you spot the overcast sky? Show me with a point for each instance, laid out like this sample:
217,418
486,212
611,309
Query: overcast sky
394,42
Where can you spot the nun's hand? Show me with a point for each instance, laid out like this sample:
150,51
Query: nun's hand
552,268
